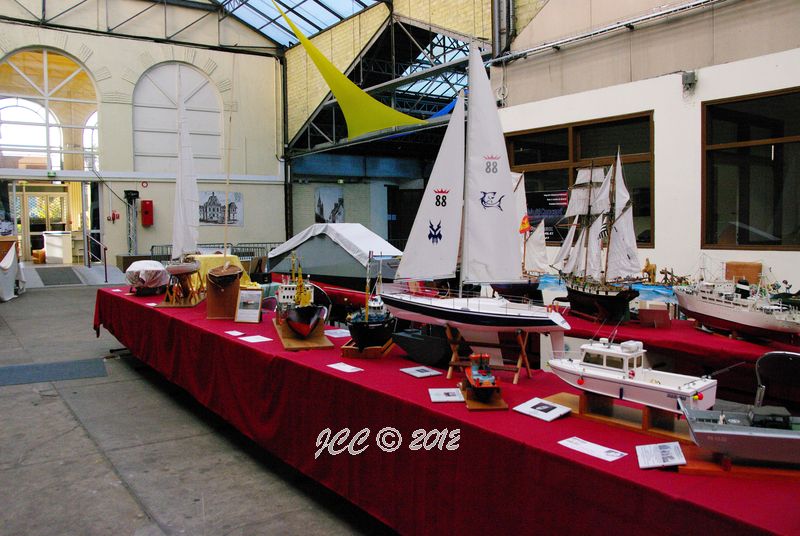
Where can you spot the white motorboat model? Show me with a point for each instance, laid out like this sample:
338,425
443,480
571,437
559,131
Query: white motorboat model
618,371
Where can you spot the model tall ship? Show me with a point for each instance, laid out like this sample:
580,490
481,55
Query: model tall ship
738,308
371,325
600,266
477,180
295,303
617,371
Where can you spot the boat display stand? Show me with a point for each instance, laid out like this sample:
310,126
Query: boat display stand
293,342
494,403
705,463
601,408
349,349
184,290
456,361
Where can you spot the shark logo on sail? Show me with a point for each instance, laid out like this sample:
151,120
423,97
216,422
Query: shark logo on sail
435,232
490,200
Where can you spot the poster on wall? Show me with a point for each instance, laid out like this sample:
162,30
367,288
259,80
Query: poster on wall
550,206
212,208
329,203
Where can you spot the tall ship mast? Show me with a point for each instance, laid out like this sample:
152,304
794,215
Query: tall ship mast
600,266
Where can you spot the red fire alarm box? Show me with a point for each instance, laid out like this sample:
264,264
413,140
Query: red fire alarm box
147,212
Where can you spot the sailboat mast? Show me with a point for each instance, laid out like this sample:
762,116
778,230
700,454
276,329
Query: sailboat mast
463,211
611,212
366,290
588,216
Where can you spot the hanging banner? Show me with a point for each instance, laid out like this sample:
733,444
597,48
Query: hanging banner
362,113
6,210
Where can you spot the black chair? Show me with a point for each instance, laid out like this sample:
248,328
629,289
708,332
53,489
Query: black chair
779,370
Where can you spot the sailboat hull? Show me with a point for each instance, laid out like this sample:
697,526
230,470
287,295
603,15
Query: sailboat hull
610,306
528,290
474,314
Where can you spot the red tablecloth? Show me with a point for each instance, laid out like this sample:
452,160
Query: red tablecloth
508,476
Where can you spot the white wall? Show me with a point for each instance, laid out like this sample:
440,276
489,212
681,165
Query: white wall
677,123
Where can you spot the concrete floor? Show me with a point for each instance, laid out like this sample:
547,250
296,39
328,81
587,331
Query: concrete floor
130,453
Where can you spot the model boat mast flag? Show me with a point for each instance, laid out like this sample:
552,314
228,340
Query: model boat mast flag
362,113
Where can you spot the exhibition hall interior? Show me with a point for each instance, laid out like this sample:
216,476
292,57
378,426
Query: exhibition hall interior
399,267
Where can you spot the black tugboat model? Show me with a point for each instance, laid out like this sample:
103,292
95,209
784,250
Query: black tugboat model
371,325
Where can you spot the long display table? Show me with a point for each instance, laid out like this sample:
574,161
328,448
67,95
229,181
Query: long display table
508,475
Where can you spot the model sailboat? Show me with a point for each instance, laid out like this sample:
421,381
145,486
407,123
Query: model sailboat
600,266
534,250
182,291
476,181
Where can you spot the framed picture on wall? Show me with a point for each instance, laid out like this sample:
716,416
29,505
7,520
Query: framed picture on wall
329,204
212,208
248,306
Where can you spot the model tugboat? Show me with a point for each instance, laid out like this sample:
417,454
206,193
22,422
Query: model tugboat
618,371
481,383
295,301
372,325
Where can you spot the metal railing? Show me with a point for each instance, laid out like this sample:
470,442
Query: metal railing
90,257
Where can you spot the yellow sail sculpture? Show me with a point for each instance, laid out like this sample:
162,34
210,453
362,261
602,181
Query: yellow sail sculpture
363,113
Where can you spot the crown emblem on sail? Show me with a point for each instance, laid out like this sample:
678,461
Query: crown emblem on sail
441,191
492,157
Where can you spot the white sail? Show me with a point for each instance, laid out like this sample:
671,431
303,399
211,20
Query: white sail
577,254
623,258
536,250
490,249
594,250
566,246
432,248
186,216
588,180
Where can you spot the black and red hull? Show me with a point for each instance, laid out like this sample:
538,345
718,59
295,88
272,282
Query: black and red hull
304,320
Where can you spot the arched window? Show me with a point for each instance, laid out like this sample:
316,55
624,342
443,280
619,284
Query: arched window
45,101
155,112
29,135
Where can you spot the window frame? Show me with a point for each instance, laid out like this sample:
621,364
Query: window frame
573,163
705,148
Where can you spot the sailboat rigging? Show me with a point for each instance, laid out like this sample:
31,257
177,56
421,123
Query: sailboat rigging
601,265
472,173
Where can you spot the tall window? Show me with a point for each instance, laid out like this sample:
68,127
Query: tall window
155,119
751,183
45,101
550,159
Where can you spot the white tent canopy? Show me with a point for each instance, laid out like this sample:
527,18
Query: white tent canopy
354,238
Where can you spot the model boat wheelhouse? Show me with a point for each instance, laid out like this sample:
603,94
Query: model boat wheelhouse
618,371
